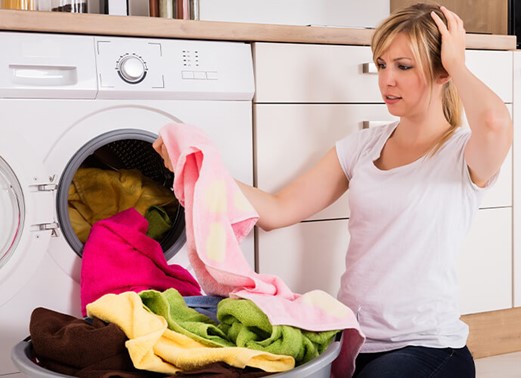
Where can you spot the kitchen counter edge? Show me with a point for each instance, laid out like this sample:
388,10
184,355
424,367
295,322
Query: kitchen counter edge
155,27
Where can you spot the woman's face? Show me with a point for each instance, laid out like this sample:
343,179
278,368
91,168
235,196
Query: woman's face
403,87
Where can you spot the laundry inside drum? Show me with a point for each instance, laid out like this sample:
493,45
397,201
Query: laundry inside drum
123,174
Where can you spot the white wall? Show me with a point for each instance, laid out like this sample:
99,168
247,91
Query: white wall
352,13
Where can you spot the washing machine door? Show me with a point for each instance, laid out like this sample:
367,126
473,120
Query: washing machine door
26,210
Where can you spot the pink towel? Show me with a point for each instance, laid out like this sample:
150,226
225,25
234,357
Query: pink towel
218,217
118,256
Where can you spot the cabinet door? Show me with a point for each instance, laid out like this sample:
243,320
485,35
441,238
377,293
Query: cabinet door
290,138
293,73
307,256
486,262
517,178
494,68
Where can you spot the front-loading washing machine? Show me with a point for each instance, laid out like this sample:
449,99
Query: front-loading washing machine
69,102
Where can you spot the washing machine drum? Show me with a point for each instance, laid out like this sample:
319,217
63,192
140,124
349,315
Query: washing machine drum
112,173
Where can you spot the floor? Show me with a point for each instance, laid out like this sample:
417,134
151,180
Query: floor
502,366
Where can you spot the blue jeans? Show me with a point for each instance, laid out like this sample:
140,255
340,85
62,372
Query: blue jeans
205,304
416,362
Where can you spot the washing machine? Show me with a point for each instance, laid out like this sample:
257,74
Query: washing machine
69,102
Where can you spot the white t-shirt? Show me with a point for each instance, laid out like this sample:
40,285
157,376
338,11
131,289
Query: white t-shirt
407,225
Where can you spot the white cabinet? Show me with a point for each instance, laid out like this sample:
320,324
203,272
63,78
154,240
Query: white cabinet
308,97
494,68
308,255
517,178
296,73
486,262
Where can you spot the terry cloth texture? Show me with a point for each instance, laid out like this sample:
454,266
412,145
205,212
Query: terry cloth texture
242,324
118,256
218,217
183,319
152,346
96,194
71,346
247,326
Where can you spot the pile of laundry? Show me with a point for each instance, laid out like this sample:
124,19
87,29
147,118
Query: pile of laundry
171,323
134,334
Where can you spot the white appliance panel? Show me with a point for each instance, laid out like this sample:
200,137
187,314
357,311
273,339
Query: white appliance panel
63,105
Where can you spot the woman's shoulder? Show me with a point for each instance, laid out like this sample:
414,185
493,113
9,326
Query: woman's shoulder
365,140
373,135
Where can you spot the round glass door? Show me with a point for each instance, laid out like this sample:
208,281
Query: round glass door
12,212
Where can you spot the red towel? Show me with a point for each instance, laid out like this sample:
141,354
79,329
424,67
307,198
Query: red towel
118,256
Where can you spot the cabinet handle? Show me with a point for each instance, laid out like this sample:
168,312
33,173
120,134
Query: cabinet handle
371,124
369,68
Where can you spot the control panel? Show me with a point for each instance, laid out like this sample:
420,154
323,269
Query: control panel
173,69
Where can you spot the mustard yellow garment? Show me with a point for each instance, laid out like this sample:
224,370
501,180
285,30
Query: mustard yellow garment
96,194
154,347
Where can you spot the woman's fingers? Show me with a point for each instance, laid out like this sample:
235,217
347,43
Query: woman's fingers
454,22
439,22
166,157
160,148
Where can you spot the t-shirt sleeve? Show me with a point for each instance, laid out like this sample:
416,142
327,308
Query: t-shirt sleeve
347,150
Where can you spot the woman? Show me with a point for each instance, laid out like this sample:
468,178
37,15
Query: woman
415,186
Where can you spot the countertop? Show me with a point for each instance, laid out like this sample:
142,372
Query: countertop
155,27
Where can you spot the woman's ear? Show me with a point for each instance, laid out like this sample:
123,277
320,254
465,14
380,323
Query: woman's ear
443,78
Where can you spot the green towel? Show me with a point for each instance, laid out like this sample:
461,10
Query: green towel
159,222
183,319
246,325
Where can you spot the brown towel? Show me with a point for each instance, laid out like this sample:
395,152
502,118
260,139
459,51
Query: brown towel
73,346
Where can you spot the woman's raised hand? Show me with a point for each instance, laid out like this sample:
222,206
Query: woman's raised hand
452,40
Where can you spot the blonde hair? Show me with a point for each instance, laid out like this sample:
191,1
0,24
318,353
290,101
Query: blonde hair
416,23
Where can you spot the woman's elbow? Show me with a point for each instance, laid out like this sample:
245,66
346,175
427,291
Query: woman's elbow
499,123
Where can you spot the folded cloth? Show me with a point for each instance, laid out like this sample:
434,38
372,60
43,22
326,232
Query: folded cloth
217,218
119,257
246,325
183,319
152,346
71,346
96,194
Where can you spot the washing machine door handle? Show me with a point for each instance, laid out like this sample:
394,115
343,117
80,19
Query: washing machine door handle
26,216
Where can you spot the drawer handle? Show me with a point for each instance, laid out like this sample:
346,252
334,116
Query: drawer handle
369,68
371,124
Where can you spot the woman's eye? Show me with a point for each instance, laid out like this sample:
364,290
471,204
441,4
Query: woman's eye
404,67
380,65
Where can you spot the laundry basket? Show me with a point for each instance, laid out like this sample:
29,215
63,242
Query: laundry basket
23,358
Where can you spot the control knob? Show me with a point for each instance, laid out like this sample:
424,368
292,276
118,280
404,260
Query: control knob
132,69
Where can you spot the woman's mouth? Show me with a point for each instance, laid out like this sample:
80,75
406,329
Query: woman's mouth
390,100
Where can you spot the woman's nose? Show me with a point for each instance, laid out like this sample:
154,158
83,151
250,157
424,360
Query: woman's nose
387,77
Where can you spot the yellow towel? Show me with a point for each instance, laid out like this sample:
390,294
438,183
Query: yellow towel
96,194
154,347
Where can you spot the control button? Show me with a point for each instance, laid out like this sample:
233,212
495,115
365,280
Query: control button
132,69
200,75
212,75
187,74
